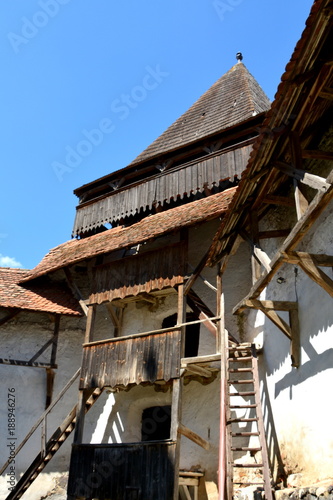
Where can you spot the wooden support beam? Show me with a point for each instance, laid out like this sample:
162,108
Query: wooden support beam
321,260
185,431
75,290
278,233
194,276
278,200
326,93
317,155
177,392
296,151
308,264
314,181
90,324
55,338
301,228
301,202
80,415
199,370
295,346
273,305
49,386
259,254
116,315
278,321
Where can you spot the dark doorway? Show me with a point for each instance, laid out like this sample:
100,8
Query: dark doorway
156,423
192,333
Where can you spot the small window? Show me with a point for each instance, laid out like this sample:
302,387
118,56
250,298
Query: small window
156,423
192,333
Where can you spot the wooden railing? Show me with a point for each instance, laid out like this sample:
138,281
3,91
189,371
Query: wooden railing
41,424
121,471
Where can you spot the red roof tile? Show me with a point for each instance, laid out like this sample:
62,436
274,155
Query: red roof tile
42,296
114,239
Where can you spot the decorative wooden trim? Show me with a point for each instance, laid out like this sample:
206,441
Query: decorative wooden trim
185,431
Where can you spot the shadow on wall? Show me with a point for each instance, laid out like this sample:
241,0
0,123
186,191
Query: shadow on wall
315,320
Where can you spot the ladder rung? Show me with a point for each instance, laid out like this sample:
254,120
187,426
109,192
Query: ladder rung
247,381
242,393
243,434
244,358
241,407
248,466
238,370
244,448
234,420
248,484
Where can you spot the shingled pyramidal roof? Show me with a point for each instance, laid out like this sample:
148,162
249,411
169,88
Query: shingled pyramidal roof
231,100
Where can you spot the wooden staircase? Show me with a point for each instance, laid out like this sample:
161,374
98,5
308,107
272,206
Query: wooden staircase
50,447
247,456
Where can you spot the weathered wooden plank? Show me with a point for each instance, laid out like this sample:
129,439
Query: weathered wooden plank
131,361
122,471
314,181
139,274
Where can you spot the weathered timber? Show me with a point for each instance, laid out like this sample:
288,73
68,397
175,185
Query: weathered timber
18,362
321,260
317,155
314,181
138,470
326,93
169,184
301,202
278,200
295,346
193,436
141,273
123,364
75,290
274,233
316,207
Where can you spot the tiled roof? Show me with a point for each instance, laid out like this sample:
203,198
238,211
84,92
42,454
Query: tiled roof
114,239
234,98
44,297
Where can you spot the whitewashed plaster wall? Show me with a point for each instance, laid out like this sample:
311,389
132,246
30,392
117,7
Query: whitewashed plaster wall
299,398
21,338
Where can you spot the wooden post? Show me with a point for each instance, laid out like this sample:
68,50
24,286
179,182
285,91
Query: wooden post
256,271
177,393
225,490
90,324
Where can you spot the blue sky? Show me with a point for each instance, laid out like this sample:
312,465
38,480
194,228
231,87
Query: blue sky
105,78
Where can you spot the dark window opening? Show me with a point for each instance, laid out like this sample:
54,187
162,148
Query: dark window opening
156,423
192,333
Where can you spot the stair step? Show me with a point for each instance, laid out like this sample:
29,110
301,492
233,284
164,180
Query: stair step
244,434
242,393
246,381
248,466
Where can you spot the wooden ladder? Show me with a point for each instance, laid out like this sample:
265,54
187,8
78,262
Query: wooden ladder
50,448
245,425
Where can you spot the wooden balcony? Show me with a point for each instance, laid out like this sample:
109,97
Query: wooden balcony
134,359
135,471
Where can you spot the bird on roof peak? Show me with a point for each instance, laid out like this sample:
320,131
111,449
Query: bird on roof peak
239,56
